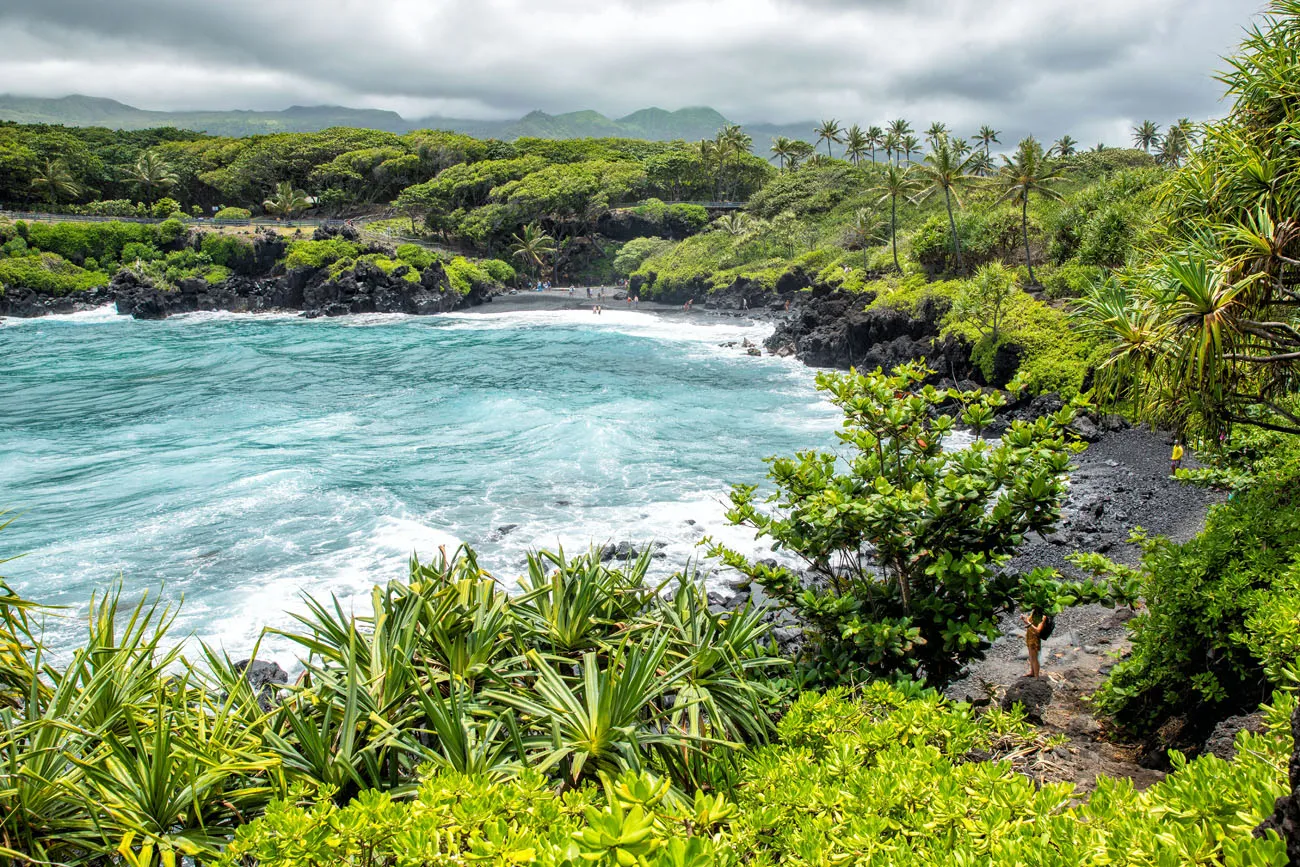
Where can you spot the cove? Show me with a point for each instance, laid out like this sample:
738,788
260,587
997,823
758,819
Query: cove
240,461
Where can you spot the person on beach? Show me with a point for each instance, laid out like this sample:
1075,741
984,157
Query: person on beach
1176,457
1035,631
588,291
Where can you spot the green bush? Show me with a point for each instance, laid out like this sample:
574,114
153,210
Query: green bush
416,256
112,208
77,241
634,252
465,275
887,777
234,214
228,251
1071,280
48,272
319,254
166,207
1219,625
501,273
903,545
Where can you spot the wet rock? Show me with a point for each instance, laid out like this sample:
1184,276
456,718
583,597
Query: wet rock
265,678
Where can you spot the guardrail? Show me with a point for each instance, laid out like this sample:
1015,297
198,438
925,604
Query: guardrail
42,217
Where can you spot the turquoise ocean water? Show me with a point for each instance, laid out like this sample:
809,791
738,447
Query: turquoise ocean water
242,460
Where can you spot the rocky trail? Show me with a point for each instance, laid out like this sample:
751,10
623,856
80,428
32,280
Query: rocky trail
1122,482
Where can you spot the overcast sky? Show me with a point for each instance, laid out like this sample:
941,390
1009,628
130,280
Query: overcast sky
1087,68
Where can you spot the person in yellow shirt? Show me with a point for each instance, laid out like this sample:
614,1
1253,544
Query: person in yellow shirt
1176,458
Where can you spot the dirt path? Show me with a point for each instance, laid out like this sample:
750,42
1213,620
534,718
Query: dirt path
1121,482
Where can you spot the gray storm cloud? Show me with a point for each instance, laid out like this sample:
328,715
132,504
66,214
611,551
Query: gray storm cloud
1046,66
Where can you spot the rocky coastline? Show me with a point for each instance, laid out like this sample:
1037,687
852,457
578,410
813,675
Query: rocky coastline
267,288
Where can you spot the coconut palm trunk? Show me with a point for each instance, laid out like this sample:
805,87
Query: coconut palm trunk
893,230
1024,229
952,226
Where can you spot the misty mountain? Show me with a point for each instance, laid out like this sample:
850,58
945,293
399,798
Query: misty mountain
654,124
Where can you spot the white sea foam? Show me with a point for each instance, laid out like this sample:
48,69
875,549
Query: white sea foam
99,315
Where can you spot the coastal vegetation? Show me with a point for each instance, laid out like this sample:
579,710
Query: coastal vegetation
595,717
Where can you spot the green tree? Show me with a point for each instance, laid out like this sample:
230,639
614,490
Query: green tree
1065,146
936,130
287,201
896,182
1146,135
899,129
829,131
532,246
1205,336
856,144
876,140
863,231
910,144
987,136
782,151
1028,173
55,181
946,171
907,542
984,301
152,173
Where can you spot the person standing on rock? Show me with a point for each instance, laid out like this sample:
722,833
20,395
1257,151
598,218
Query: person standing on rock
1034,630
1176,457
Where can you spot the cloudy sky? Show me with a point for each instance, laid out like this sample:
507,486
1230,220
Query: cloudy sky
1088,68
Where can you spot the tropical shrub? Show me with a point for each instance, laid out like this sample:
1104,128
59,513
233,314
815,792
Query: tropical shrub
903,544
228,251
112,208
1220,627
47,272
416,256
636,251
233,214
885,777
165,207
587,675
319,254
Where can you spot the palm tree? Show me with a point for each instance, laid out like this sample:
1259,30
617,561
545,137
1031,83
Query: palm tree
287,201
981,164
946,170
896,182
532,246
782,151
1146,135
1064,147
829,131
1023,175
710,152
890,143
911,145
987,136
1188,129
876,139
855,144
936,130
899,128
152,171
1173,148
735,141
1098,148
864,229
801,150
57,181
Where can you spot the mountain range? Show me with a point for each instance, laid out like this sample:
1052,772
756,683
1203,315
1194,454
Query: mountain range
654,124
